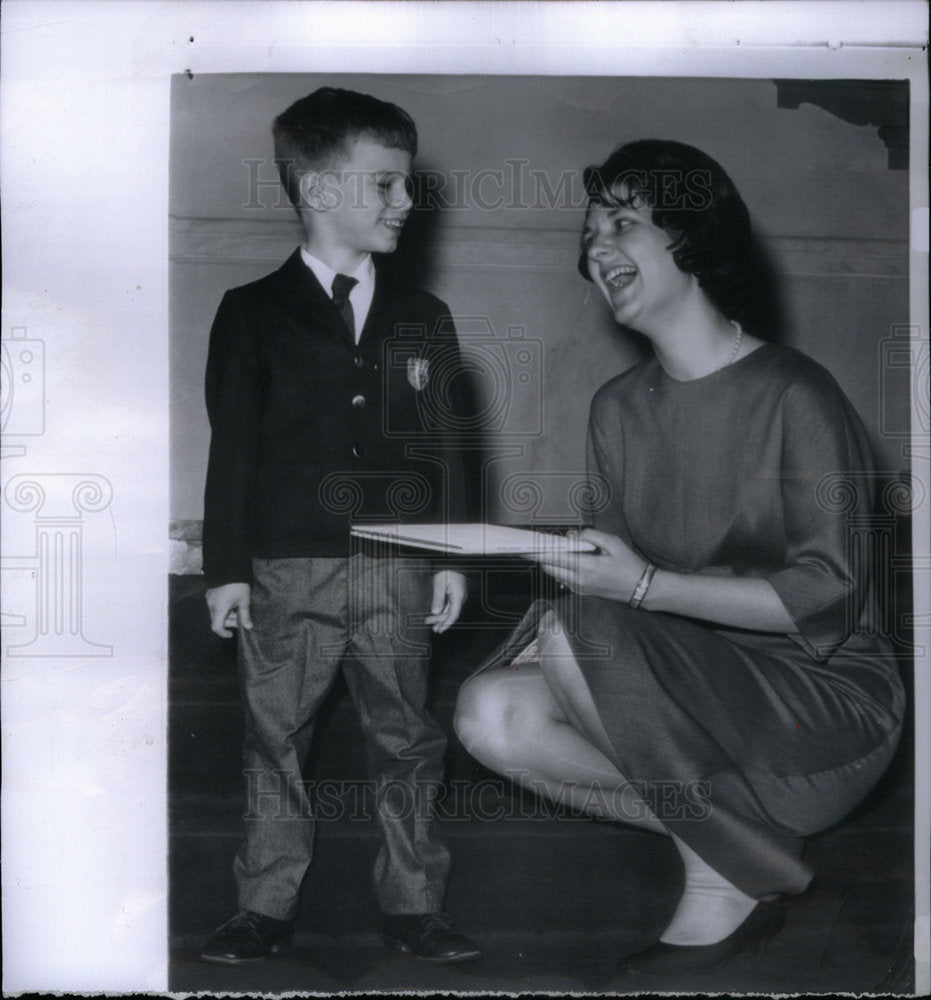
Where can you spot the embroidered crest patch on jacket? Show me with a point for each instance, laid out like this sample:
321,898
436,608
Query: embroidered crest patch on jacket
418,373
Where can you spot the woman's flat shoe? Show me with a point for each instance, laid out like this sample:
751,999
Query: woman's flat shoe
662,959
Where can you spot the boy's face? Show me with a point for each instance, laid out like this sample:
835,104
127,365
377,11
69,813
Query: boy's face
360,204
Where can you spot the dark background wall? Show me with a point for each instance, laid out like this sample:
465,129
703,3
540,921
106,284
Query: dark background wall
497,239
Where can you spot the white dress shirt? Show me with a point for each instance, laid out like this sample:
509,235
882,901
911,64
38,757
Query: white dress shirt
361,295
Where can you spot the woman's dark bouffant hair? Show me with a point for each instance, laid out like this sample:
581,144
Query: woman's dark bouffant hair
695,201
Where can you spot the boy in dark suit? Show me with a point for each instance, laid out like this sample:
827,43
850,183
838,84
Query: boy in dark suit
328,390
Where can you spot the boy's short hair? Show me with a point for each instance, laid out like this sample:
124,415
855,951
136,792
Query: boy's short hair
319,129
694,201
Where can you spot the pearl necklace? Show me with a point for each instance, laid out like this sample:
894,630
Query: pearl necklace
736,347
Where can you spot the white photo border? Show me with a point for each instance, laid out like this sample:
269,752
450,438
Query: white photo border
86,120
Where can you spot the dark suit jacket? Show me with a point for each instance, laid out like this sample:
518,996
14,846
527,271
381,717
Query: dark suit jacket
310,431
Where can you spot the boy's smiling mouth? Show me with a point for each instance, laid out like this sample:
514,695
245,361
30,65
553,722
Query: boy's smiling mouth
395,225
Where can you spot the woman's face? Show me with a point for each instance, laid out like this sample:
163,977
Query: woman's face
630,261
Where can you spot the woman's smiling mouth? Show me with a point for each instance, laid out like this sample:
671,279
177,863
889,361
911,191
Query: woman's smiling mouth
619,277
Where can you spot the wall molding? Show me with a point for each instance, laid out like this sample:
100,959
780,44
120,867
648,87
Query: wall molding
219,241
262,244
185,549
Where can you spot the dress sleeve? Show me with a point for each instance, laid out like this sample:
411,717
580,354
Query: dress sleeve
826,483
604,465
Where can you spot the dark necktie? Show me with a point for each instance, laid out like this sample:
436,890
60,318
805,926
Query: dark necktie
342,286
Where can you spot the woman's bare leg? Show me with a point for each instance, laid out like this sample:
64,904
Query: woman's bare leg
512,721
536,724
509,720
539,725
710,908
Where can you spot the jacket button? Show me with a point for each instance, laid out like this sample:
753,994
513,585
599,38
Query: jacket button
358,450
360,361
358,402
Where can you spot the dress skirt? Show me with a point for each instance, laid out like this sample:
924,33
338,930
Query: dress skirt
740,743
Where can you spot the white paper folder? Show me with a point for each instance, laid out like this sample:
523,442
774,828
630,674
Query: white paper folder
472,539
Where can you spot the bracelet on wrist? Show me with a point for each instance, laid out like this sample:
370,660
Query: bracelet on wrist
643,585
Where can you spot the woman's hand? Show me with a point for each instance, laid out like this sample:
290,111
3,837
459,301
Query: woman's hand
738,602
612,573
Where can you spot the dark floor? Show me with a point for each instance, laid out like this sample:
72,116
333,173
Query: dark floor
554,900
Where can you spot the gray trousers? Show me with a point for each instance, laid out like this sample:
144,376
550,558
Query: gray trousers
312,617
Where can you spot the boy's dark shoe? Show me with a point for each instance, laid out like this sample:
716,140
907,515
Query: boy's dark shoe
247,937
429,936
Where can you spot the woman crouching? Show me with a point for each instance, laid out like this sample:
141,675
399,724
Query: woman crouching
715,640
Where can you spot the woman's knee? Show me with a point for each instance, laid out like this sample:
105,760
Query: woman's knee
487,719
480,708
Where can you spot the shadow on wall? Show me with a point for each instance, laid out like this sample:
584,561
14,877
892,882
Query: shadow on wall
764,307
414,262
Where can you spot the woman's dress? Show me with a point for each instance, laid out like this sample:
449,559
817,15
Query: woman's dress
741,742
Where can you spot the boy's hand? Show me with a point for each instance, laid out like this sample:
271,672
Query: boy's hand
449,594
229,608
